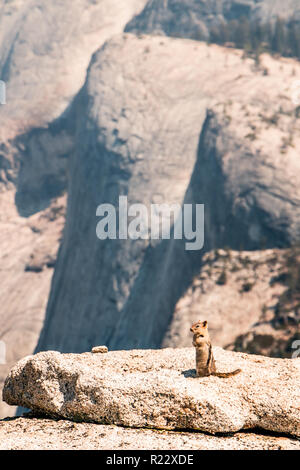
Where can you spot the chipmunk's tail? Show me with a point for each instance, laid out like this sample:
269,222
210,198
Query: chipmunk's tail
227,374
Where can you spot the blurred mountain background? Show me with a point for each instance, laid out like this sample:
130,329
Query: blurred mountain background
178,101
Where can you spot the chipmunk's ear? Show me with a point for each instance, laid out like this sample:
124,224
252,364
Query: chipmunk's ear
204,323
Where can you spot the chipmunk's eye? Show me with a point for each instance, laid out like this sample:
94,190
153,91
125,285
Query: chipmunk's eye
201,336
197,326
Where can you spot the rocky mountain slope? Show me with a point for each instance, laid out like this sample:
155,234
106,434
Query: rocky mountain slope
28,256
157,128
45,48
197,18
250,299
158,390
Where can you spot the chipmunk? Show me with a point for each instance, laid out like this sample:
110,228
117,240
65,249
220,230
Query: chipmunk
205,363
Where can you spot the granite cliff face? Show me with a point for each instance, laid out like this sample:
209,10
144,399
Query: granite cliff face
28,255
157,128
45,48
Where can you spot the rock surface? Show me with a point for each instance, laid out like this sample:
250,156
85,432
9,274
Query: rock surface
134,129
144,130
249,298
158,389
46,434
45,48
